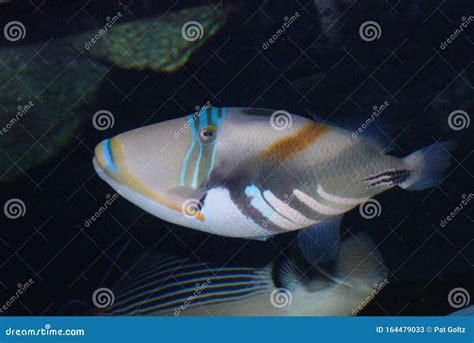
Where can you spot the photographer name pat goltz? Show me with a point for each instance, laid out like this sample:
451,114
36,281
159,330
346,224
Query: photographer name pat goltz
449,329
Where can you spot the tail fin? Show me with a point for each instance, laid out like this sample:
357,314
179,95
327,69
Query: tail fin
467,311
360,263
427,165
352,280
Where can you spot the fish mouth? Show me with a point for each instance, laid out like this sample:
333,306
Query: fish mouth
104,160
98,168
109,165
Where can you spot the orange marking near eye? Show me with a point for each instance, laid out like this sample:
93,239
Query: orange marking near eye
125,177
287,147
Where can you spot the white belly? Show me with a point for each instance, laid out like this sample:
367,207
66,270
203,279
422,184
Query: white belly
224,218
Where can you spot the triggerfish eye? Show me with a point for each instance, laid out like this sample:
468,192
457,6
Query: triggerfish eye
208,133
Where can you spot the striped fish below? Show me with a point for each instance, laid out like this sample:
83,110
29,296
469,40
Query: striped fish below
171,286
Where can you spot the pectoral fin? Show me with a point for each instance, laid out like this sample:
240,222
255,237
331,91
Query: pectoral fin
320,243
186,197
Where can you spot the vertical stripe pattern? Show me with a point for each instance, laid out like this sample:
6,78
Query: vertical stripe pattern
200,157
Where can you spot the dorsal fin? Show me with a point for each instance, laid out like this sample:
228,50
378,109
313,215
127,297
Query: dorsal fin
378,131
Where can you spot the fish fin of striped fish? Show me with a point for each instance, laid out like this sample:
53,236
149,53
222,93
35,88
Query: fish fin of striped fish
286,275
359,263
468,311
320,243
163,284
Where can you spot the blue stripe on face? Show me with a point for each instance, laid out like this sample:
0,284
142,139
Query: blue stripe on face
203,117
107,156
217,122
188,153
196,168
203,121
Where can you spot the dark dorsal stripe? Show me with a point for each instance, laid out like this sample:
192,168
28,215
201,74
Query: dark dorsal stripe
388,178
286,195
243,202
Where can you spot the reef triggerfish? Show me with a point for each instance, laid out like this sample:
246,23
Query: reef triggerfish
234,172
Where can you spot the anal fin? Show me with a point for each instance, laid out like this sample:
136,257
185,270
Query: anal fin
320,243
